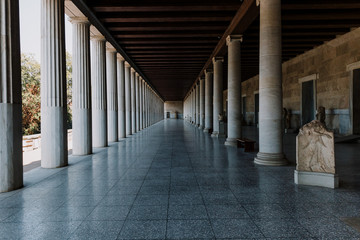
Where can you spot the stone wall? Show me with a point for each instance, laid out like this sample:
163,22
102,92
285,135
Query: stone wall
172,107
33,142
329,62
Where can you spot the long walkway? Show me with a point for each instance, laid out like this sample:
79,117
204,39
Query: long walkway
173,181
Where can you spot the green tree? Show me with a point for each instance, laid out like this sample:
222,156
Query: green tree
30,77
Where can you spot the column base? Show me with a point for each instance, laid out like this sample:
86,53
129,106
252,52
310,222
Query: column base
217,135
270,159
328,180
231,142
201,127
206,130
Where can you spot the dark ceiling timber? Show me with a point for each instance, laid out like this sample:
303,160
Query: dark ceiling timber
173,42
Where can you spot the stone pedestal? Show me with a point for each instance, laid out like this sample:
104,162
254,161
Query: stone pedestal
81,109
54,147
11,165
328,180
315,157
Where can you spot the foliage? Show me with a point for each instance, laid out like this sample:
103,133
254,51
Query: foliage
30,82
31,106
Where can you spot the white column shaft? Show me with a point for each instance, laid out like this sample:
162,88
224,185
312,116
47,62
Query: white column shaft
208,100
137,105
141,96
98,92
218,94
53,85
202,103
11,165
81,98
128,99
112,95
121,97
133,103
270,85
234,90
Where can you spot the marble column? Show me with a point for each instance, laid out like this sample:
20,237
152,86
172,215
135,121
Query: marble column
270,86
141,103
98,91
208,100
128,99
81,94
234,90
194,106
11,164
53,85
218,95
121,97
112,95
197,104
202,103
137,102
133,102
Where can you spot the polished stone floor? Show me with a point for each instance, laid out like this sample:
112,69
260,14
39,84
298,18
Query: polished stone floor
173,181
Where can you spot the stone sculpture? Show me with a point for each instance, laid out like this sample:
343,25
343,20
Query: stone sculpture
315,148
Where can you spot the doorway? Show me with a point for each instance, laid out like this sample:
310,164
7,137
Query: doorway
307,102
243,102
256,109
356,101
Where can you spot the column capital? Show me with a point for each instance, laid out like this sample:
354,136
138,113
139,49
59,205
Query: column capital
110,48
257,2
75,20
215,59
127,64
98,37
119,57
133,70
208,71
232,38
137,74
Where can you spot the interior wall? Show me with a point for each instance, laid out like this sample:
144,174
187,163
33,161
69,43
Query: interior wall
174,108
333,85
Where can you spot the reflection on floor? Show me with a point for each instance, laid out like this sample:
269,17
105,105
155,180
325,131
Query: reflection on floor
174,181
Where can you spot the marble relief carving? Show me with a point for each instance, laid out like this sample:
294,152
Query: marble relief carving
315,149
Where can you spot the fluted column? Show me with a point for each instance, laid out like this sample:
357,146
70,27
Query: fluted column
141,96
133,102
234,90
218,95
202,103
137,102
98,91
208,100
198,104
194,106
53,85
121,97
112,95
270,86
128,98
81,94
11,165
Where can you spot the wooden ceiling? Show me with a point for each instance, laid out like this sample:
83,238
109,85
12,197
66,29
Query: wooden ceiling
172,42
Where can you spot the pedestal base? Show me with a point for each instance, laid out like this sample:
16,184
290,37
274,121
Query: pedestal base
270,159
328,180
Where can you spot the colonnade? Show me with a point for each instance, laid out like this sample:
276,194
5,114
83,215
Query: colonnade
111,100
270,90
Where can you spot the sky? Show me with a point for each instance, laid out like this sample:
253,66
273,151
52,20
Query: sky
30,28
